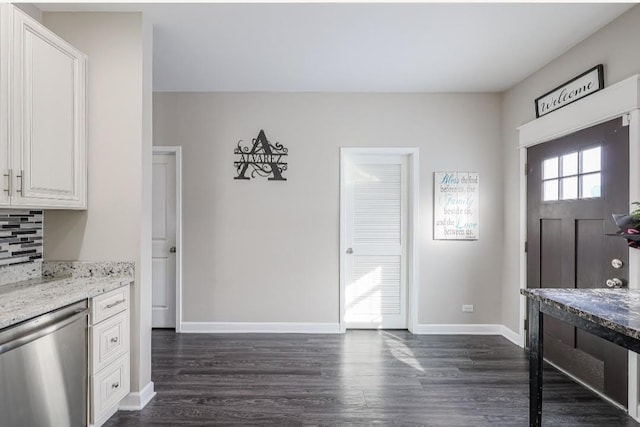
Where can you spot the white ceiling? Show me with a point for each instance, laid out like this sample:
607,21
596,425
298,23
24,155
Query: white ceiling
338,47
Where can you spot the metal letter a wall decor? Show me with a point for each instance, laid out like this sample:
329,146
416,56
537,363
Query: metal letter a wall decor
264,158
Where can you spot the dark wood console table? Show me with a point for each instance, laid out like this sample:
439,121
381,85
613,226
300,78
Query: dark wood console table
612,314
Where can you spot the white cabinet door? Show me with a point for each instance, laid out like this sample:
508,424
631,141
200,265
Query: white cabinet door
49,131
5,37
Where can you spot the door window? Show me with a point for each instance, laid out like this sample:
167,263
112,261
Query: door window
572,176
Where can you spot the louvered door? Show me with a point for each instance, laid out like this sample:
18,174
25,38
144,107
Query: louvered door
376,291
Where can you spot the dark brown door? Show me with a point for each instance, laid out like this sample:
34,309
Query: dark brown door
574,184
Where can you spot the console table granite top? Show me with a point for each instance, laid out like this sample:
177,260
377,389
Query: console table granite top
615,309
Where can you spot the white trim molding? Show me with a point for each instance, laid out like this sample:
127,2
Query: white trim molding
136,401
413,234
260,327
618,100
609,103
177,152
512,336
102,421
334,328
470,329
582,383
459,329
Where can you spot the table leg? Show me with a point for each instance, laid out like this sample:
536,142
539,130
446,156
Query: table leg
535,364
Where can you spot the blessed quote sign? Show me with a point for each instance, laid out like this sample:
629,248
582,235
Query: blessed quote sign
456,206
585,84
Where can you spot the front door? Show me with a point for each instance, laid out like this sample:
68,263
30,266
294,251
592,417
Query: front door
163,275
376,270
574,184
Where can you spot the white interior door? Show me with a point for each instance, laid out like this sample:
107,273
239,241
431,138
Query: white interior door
164,241
376,222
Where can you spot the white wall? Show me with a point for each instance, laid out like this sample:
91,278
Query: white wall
615,47
113,226
259,251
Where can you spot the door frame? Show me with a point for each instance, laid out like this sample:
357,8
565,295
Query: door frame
177,152
618,100
413,216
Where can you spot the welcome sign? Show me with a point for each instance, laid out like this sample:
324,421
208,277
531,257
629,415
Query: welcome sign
456,206
585,84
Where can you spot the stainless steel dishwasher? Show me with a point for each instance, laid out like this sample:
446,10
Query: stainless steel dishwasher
43,370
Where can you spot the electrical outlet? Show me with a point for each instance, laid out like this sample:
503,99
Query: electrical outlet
467,308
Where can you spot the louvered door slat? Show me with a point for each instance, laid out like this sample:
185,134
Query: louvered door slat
376,205
374,287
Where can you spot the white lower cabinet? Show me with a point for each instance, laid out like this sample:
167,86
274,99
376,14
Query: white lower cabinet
109,363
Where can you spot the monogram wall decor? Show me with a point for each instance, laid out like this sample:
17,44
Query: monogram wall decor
264,158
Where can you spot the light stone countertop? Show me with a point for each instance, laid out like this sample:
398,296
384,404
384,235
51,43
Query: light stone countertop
24,300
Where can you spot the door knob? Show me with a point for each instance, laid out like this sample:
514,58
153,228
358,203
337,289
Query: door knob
172,249
350,251
615,283
616,263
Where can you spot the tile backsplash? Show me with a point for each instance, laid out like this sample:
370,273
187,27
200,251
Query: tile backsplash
20,236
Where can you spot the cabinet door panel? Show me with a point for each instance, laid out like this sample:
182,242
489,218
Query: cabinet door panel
49,141
49,118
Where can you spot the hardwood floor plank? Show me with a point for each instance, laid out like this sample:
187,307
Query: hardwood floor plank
361,378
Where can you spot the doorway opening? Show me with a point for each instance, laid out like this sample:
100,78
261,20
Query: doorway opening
574,185
618,100
379,194
167,238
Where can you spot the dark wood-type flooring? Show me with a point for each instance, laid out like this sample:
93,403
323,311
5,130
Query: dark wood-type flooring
361,378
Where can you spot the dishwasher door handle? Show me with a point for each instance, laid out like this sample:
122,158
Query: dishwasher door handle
40,329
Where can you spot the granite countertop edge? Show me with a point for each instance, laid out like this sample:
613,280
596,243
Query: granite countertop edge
25,300
535,294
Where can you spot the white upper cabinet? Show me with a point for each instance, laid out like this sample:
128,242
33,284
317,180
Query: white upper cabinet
5,179
47,117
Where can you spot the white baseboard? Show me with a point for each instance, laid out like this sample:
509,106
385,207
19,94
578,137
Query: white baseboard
582,383
102,421
137,400
469,329
334,328
260,327
458,329
512,336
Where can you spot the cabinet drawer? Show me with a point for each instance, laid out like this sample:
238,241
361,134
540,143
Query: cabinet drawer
109,340
105,306
109,386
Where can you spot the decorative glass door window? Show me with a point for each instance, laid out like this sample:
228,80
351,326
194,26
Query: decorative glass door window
572,176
